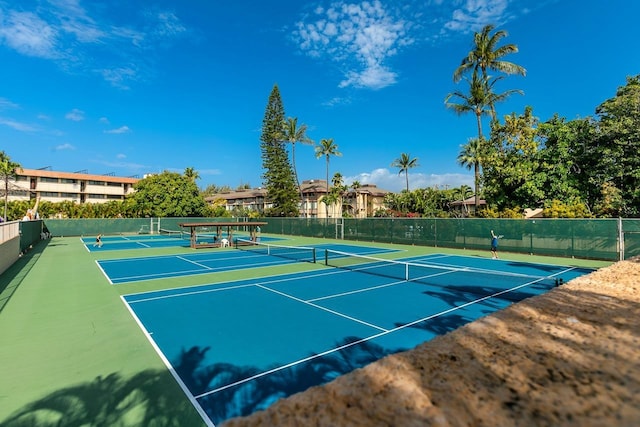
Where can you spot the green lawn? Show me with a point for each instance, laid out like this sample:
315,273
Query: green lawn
72,354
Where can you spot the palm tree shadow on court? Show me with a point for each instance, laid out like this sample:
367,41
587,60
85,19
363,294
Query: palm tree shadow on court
150,397
242,397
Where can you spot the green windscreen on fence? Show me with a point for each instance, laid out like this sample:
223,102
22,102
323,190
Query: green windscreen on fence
114,226
631,235
582,238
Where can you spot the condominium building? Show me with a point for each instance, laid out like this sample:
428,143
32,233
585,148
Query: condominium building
358,202
54,186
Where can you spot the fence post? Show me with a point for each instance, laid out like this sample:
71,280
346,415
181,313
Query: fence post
620,240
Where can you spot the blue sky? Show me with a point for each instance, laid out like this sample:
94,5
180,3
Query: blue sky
135,87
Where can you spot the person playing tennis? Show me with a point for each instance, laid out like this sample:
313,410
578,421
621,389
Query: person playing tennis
494,245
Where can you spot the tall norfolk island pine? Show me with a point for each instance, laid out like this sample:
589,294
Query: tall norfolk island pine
278,175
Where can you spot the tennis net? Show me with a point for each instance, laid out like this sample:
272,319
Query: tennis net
481,282
296,253
175,234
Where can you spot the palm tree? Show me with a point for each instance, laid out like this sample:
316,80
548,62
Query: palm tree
486,55
327,148
464,191
191,173
355,185
472,155
338,189
292,134
404,163
480,100
7,171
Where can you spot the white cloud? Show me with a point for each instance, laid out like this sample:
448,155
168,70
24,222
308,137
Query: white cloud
336,100
81,38
475,14
121,156
63,147
392,181
6,104
361,37
132,167
119,77
23,127
29,35
75,115
167,25
104,120
121,129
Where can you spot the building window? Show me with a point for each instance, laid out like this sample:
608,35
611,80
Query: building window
67,181
96,182
47,179
49,194
114,184
97,196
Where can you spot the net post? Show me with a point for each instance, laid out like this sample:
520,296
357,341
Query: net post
326,257
313,252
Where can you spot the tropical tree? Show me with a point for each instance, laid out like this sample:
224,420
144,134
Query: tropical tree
8,170
330,199
480,100
326,149
293,134
213,189
404,163
191,174
168,194
512,172
618,145
278,175
472,155
487,55
464,191
355,186
338,188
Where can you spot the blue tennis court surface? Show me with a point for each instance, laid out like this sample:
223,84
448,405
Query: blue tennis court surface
145,241
237,347
193,263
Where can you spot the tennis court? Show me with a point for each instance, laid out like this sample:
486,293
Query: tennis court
127,270
237,347
147,241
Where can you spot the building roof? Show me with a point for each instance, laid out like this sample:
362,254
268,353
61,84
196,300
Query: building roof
75,175
471,201
308,186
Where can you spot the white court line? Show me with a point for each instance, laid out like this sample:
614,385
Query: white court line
196,263
185,294
162,275
377,287
103,272
322,308
215,289
169,366
372,337
142,244
184,273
